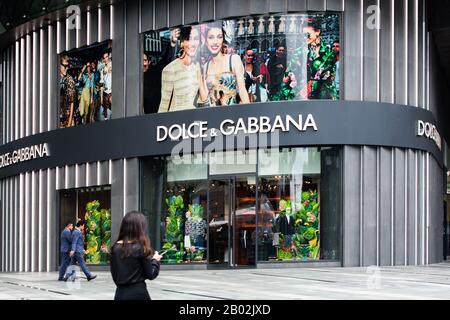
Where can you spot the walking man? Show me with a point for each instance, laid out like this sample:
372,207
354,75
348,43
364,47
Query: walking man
66,244
77,250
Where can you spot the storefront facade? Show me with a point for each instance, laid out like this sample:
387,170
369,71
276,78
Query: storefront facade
256,134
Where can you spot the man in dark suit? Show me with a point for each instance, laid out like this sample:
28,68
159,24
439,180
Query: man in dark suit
77,250
66,243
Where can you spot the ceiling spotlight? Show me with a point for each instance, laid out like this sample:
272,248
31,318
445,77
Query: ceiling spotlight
24,16
44,8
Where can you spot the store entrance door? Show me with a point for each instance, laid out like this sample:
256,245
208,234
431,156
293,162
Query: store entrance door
232,221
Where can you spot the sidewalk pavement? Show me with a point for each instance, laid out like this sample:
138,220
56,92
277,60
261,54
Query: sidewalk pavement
387,283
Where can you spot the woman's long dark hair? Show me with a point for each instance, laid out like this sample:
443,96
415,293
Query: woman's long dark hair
133,229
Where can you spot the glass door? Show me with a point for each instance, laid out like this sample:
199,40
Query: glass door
232,221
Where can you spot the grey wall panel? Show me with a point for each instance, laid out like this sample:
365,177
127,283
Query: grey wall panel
176,12
147,14
60,178
206,10
384,205
43,81
52,227
103,173
5,224
371,54
278,5
91,174
191,11
43,214
131,184
12,247
369,237
401,53
105,22
61,34
117,198
53,115
386,55
27,213
21,88
413,46
421,221
80,175
70,177
317,5
399,207
161,14
232,8
2,225
82,33
412,208
17,84
35,83
335,5
351,214
20,198
28,86
352,50
297,5
133,60
119,55
436,213
259,7
421,53
9,259
35,252
92,19
71,38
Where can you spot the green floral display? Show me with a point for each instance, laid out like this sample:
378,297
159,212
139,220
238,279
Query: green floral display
304,242
174,230
98,233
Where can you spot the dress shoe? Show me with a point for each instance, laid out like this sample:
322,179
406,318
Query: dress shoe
91,277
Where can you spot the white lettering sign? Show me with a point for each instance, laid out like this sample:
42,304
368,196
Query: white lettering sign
250,125
24,154
429,131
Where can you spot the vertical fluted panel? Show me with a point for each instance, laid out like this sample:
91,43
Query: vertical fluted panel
51,207
34,221
28,121
43,81
27,214
35,83
15,213
21,89
17,91
53,88
43,224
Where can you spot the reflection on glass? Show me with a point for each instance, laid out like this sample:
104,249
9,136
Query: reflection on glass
175,201
219,221
292,222
245,221
247,60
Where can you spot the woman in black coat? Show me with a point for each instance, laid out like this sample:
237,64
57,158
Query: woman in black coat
133,260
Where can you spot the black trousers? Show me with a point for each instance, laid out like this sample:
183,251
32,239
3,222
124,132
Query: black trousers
137,291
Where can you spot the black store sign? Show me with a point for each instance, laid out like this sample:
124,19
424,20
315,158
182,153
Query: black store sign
281,124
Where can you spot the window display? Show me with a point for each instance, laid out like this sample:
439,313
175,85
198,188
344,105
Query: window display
290,213
285,206
181,212
93,205
241,61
